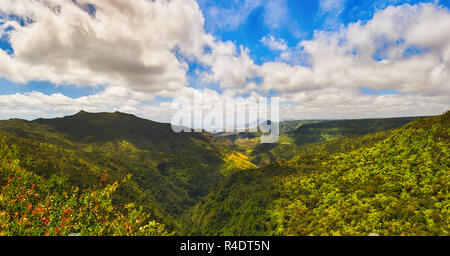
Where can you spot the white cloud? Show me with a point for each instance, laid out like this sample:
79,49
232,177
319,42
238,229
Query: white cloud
110,98
229,68
345,58
126,43
273,43
330,10
335,103
232,16
331,5
276,14
36,104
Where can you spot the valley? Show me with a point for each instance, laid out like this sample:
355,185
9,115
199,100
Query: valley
324,177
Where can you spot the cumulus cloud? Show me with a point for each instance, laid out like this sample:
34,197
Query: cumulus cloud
229,67
335,103
404,48
376,54
274,44
111,99
114,42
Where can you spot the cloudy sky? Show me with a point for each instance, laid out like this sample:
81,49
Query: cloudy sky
324,59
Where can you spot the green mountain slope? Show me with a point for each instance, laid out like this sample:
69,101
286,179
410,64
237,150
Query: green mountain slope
326,130
246,141
196,183
31,205
312,132
87,128
170,171
391,183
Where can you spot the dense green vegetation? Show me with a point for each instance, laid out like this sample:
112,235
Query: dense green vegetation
294,135
349,177
246,141
297,141
31,205
170,171
325,131
394,183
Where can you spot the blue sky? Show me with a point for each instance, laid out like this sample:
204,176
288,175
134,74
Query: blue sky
294,20
266,40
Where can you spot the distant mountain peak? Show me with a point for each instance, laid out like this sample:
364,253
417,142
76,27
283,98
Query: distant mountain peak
112,126
81,112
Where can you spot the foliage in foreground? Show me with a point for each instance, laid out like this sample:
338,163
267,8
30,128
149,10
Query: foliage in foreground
31,205
170,171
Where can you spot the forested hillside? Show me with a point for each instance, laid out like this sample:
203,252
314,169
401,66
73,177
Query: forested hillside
323,177
297,141
327,130
169,171
31,205
391,183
